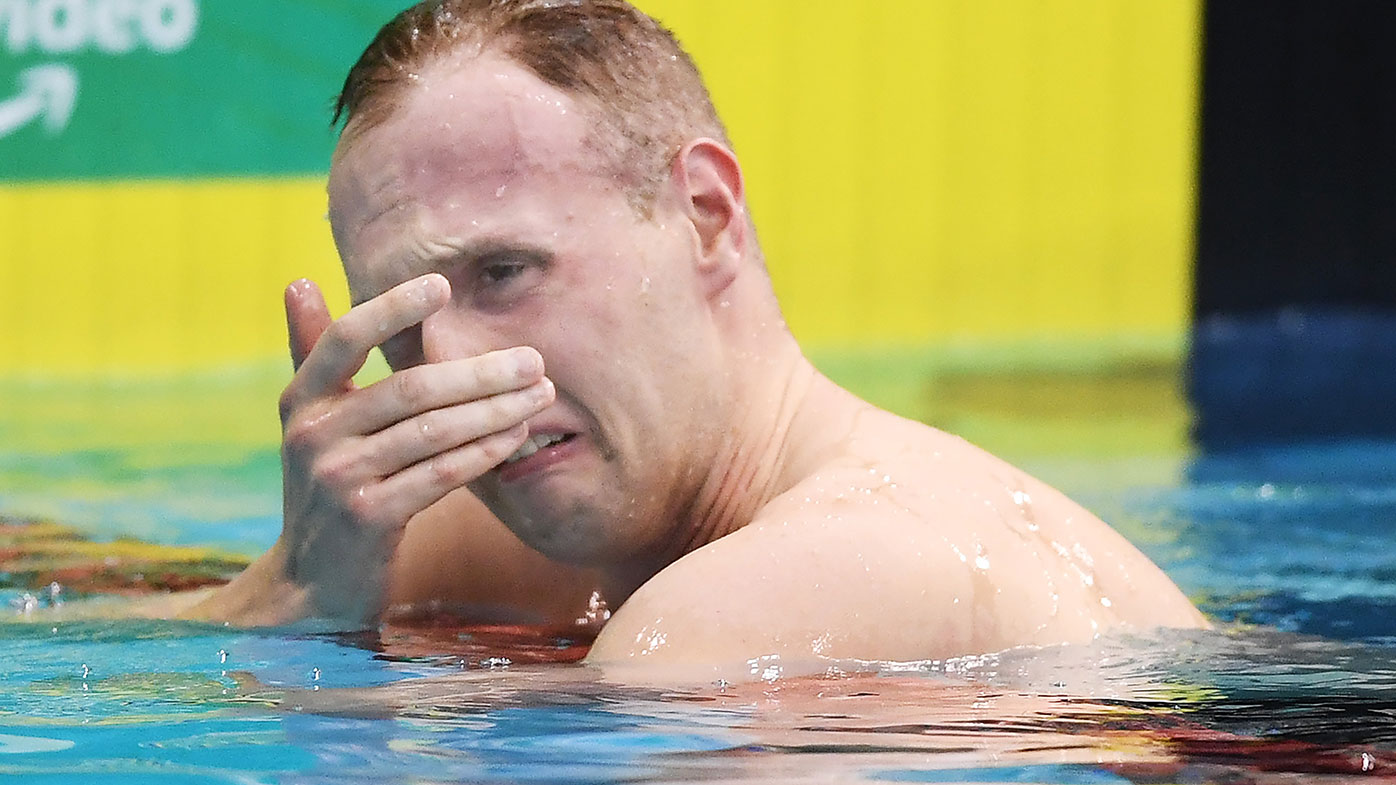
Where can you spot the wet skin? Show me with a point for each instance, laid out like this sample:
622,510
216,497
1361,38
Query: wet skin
697,466
542,250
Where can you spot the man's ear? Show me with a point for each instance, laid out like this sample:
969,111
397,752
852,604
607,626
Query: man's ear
710,183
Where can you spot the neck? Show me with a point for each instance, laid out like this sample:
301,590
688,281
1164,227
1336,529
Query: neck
792,420
782,421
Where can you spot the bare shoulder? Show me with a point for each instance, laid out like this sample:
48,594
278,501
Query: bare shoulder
912,545
814,578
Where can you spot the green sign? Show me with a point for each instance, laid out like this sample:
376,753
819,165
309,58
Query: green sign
102,89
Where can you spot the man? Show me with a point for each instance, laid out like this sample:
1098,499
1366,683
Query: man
545,229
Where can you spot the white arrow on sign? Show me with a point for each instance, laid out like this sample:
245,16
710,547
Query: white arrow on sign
47,91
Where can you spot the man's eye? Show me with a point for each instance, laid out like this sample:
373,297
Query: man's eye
503,277
500,272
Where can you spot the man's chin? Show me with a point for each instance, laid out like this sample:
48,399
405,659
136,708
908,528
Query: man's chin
564,534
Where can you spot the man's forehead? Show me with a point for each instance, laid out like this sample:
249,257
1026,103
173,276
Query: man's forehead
487,115
484,150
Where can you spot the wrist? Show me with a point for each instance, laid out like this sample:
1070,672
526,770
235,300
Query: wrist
263,595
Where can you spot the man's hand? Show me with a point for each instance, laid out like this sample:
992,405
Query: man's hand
358,463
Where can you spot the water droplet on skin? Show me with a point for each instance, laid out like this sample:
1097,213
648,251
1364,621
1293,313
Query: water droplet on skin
644,284
498,192
598,611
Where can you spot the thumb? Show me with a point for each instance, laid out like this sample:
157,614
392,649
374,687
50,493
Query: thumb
307,316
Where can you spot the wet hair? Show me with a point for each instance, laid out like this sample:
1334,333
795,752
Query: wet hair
642,91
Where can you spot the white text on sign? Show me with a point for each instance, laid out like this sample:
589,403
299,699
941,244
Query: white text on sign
110,26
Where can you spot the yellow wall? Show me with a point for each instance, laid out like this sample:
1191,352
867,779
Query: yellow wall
155,276
922,171
988,168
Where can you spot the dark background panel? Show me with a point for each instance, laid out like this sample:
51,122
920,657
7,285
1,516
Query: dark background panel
1294,334
1298,174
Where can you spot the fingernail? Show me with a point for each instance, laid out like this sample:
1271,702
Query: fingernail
527,362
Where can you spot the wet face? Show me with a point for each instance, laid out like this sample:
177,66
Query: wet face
483,175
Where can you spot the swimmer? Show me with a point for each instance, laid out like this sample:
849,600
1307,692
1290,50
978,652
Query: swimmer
595,402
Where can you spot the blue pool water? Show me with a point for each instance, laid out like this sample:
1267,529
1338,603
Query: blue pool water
1296,540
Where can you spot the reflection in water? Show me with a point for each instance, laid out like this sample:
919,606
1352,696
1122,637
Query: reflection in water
1234,706
1240,705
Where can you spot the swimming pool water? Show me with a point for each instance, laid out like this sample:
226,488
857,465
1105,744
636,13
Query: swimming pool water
1295,539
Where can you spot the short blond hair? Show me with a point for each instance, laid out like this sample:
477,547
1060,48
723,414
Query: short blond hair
645,96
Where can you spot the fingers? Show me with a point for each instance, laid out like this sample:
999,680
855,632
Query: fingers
415,488
415,391
341,348
306,318
442,430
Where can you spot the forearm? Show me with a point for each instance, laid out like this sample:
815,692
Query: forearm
262,595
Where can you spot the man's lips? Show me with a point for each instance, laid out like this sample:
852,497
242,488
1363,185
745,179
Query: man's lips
534,443
538,452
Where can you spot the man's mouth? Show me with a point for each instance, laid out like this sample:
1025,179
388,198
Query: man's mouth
535,443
